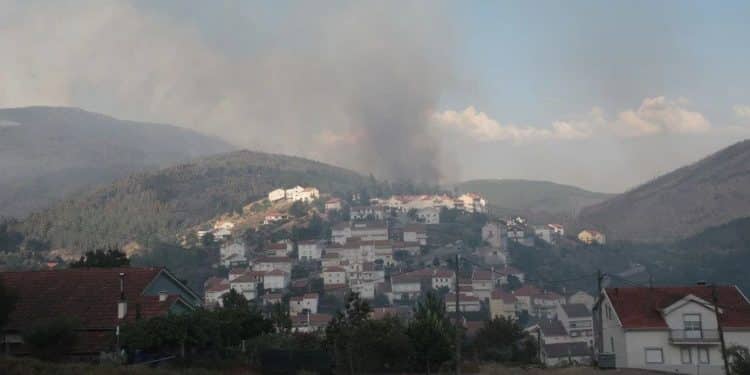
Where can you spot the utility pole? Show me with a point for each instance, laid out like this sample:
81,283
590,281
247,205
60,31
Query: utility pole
599,320
458,315
715,301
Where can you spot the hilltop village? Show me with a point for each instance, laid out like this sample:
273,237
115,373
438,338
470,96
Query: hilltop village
392,251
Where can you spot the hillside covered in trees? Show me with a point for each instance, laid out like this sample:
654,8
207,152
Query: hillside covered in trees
158,204
717,255
679,204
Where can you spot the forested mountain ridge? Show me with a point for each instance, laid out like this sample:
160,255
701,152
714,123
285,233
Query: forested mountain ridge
708,193
47,153
158,204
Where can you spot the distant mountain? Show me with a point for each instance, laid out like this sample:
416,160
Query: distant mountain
531,197
160,204
48,152
679,204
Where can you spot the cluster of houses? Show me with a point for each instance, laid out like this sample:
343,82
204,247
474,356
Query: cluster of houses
677,329
518,230
468,202
670,329
295,194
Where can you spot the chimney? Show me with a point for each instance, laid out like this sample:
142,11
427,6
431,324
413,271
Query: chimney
122,306
163,296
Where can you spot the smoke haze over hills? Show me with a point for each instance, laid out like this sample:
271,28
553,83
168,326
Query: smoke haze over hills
354,85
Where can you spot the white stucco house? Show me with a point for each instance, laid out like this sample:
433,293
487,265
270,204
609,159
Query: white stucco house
276,195
309,250
670,329
429,215
276,280
334,276
246,285
416,233
232,254
307,303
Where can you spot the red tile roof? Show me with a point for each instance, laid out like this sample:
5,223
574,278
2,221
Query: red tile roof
639,307
90,295
451,297
547,295
503,295
333,269
273,260
527,291
314,319
481,275
417,228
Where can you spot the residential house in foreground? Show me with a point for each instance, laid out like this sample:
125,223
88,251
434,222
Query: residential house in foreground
670,329
101,299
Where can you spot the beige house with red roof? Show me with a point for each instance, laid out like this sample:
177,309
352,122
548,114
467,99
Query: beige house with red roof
334,276
334,204
670,329
502,304
273,263
483,281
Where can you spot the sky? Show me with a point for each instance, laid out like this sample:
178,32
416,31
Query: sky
601,95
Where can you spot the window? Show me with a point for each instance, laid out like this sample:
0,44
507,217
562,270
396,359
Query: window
654,355
612,344
693,326
692,322
703,356
686,356
609,312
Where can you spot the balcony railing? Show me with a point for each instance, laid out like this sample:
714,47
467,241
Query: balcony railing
694,336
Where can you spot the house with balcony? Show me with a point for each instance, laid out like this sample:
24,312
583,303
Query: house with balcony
577,321
670,329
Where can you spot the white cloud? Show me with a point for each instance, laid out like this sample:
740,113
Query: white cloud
481,127
742,111
654,116
660,115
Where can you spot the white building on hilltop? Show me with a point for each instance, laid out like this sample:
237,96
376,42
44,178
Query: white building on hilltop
276,195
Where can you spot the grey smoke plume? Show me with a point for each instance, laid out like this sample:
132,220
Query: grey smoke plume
354,86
